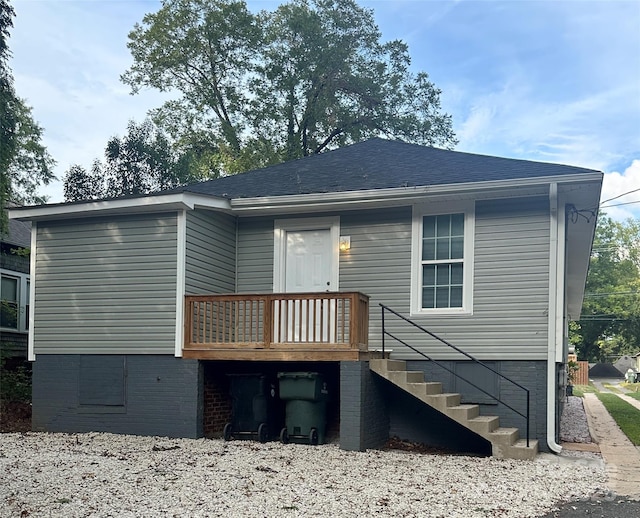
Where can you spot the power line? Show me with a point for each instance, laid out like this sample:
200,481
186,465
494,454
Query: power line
619,204
620,196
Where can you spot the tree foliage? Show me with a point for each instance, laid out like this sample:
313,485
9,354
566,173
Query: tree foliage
7,111
309,76
141,162
25,163
610,321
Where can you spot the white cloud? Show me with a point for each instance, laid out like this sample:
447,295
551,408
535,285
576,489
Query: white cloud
616,184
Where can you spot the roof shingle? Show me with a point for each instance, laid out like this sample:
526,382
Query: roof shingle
375,164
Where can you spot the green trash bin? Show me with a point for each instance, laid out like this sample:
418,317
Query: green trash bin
254,405
306,397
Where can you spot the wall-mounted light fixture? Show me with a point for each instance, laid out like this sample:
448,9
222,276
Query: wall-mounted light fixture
345,243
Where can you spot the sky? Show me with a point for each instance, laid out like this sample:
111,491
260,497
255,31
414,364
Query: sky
553,81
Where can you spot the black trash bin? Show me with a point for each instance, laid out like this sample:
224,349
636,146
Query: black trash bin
306,397
254,405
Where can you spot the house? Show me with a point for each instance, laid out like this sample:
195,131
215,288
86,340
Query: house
141,305
14,290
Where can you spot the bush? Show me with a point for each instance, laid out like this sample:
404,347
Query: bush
15,384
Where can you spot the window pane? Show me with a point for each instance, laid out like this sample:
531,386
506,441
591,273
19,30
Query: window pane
9,302
429,226
429,275
8,314
428,297
456,274
442,275
457,248
9,289
428,249
442,297
457,224
456,296
443,226
442,248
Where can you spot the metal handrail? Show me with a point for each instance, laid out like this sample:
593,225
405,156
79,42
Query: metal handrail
457,349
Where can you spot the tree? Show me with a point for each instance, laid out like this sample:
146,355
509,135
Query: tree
81,185
32,166
141,162
610,321
310,76
7,111
25,163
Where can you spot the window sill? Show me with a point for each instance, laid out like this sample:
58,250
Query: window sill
441,313
101,409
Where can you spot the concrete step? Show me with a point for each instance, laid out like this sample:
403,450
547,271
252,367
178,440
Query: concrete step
404,377
484,424
426,388
504,436
382,365
521,451
442,402
505,442
462,413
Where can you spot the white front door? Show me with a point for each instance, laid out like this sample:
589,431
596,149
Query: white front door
306,262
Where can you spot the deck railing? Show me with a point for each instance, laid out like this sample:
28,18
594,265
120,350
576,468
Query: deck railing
302,321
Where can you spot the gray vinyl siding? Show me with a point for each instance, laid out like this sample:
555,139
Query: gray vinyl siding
379,262
510,297
511,281
210,253
255,255
511,277
106,286
511,288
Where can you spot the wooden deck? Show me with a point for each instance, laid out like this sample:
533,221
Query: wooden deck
332,326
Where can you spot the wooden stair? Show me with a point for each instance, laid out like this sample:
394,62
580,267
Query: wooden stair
505,442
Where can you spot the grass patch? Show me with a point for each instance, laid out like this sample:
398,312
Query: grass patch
581,390
626,415
634,395
612,388
632,387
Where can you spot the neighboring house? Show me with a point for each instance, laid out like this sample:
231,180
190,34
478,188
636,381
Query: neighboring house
143,304
624,363
14,290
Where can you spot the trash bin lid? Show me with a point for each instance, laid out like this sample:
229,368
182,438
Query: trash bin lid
302,374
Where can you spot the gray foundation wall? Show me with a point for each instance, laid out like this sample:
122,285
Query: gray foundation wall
133,394
364,422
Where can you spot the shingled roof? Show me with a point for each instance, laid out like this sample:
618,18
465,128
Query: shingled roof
375,164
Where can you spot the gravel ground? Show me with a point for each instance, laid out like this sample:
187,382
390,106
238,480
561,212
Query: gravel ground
573,425
98,474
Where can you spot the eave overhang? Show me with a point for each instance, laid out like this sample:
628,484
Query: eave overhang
120,207
304,203
379,198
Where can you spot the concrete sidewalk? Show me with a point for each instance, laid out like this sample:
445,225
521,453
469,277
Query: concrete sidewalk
621,457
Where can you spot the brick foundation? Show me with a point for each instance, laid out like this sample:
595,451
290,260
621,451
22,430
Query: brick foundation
217,402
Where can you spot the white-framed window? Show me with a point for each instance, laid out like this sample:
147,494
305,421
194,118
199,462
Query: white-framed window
442,259
14,301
